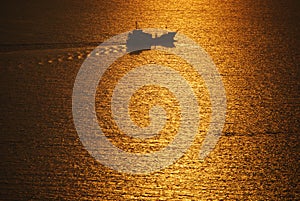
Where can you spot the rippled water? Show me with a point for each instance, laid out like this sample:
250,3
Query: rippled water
255,46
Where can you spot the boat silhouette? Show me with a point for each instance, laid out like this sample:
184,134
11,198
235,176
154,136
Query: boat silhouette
139,41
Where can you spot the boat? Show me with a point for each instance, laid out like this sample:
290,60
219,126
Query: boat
138,40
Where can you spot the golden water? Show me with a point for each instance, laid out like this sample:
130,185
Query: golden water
254,45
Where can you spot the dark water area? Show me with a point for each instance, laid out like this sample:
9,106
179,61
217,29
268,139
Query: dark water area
255,46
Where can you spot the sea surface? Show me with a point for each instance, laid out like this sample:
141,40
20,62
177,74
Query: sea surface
255,47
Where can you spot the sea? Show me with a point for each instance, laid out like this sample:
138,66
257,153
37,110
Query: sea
253,47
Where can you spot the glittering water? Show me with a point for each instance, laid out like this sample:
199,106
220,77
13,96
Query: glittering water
255,46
